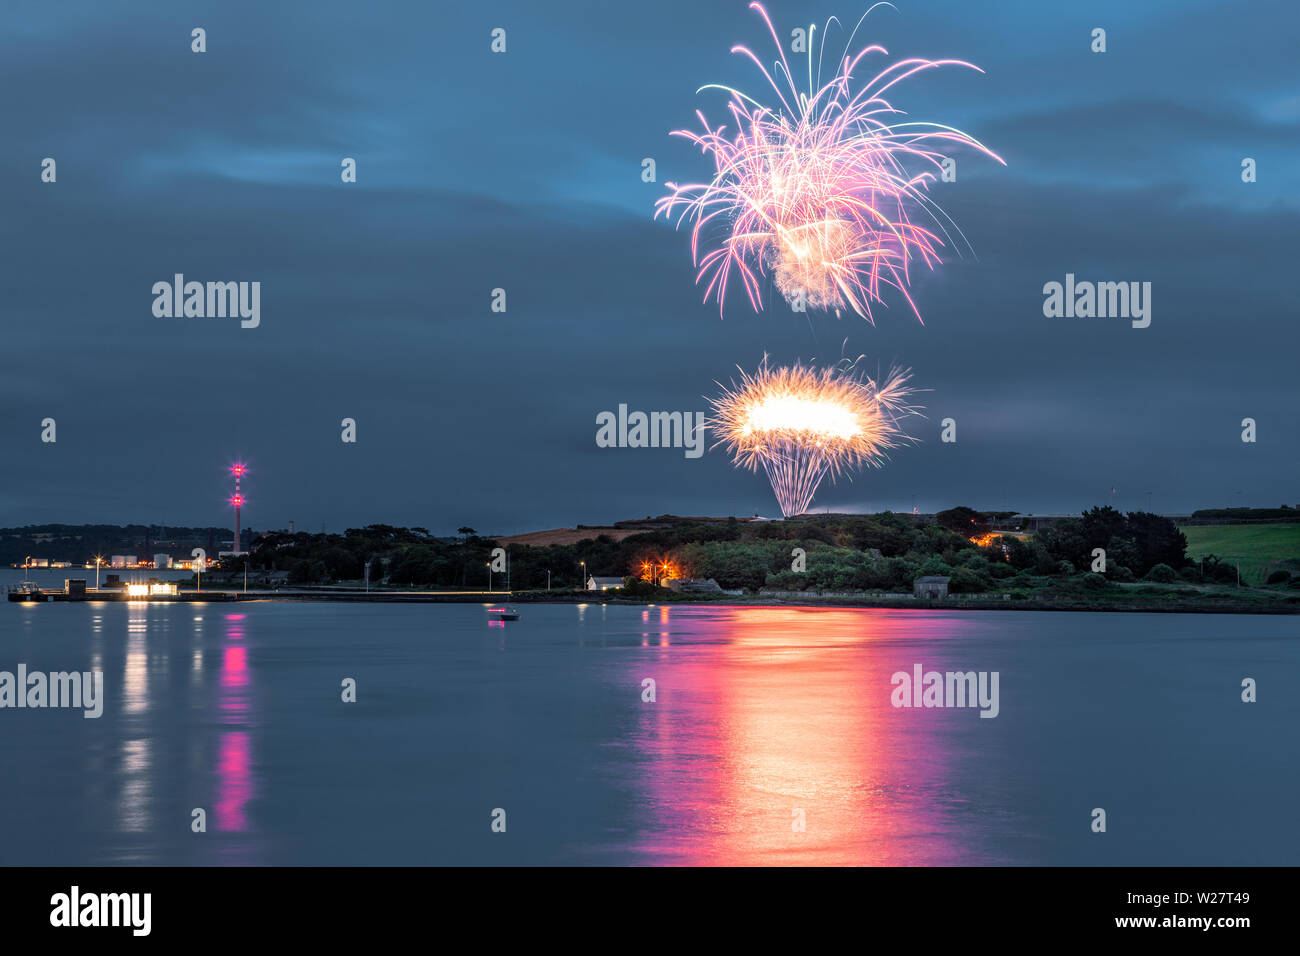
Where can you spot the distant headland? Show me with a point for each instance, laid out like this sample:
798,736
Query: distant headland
1236,560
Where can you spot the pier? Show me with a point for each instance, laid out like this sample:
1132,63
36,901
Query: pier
25,594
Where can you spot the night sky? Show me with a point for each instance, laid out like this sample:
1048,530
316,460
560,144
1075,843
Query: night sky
522,171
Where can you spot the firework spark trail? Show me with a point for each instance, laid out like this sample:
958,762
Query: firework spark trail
818,194
802,424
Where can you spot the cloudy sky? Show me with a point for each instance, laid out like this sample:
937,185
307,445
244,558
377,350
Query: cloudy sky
522,171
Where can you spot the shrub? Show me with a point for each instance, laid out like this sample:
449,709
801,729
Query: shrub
934,565
1279,577
1161,574
966,581
1043,562
787,581
635,587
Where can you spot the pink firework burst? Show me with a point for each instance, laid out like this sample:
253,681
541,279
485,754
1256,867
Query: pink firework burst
819,192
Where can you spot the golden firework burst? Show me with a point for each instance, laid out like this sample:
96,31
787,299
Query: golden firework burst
802,424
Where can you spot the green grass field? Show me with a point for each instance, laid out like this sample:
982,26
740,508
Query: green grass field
1258,545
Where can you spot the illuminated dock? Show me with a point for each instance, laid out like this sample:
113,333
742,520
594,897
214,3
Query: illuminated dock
170,594
33,595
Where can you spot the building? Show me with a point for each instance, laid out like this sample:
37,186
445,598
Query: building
603,584
931,587
162,561
122,561
153,588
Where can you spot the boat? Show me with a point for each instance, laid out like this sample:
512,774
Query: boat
505,612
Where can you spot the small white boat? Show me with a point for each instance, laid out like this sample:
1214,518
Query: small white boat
503,613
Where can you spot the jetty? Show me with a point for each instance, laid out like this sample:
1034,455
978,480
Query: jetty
155,593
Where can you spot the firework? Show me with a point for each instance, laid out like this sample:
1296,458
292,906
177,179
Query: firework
819,190
802,424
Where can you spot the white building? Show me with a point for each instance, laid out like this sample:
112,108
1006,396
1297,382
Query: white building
603,584
122,561
162,561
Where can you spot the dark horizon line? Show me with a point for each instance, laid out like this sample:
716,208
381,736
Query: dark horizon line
660,517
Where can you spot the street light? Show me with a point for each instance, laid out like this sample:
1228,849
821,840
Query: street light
489,567
548,579
99,560
584,574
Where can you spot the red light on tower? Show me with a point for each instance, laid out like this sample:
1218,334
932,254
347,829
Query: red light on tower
237,500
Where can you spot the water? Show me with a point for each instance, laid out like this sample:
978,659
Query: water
760,712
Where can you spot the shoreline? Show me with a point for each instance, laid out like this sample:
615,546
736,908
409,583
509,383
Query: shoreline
347,596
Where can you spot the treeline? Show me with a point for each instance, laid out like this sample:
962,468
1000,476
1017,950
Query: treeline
736,554
402,555
1135,542
412,556
1137,545
882,552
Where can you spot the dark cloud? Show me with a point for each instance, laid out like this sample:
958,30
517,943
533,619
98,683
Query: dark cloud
523,172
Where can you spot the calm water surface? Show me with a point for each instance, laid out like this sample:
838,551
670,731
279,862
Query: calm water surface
759,712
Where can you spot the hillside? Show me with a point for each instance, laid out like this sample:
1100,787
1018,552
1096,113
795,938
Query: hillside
1262,548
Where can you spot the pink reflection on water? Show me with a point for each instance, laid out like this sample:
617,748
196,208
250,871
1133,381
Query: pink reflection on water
791,722
234,747
234,681
234,772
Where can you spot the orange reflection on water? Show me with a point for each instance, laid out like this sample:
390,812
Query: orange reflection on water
795,754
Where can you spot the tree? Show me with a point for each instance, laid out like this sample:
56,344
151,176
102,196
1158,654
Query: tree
1158,540
966,522
1099,525
1123,551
